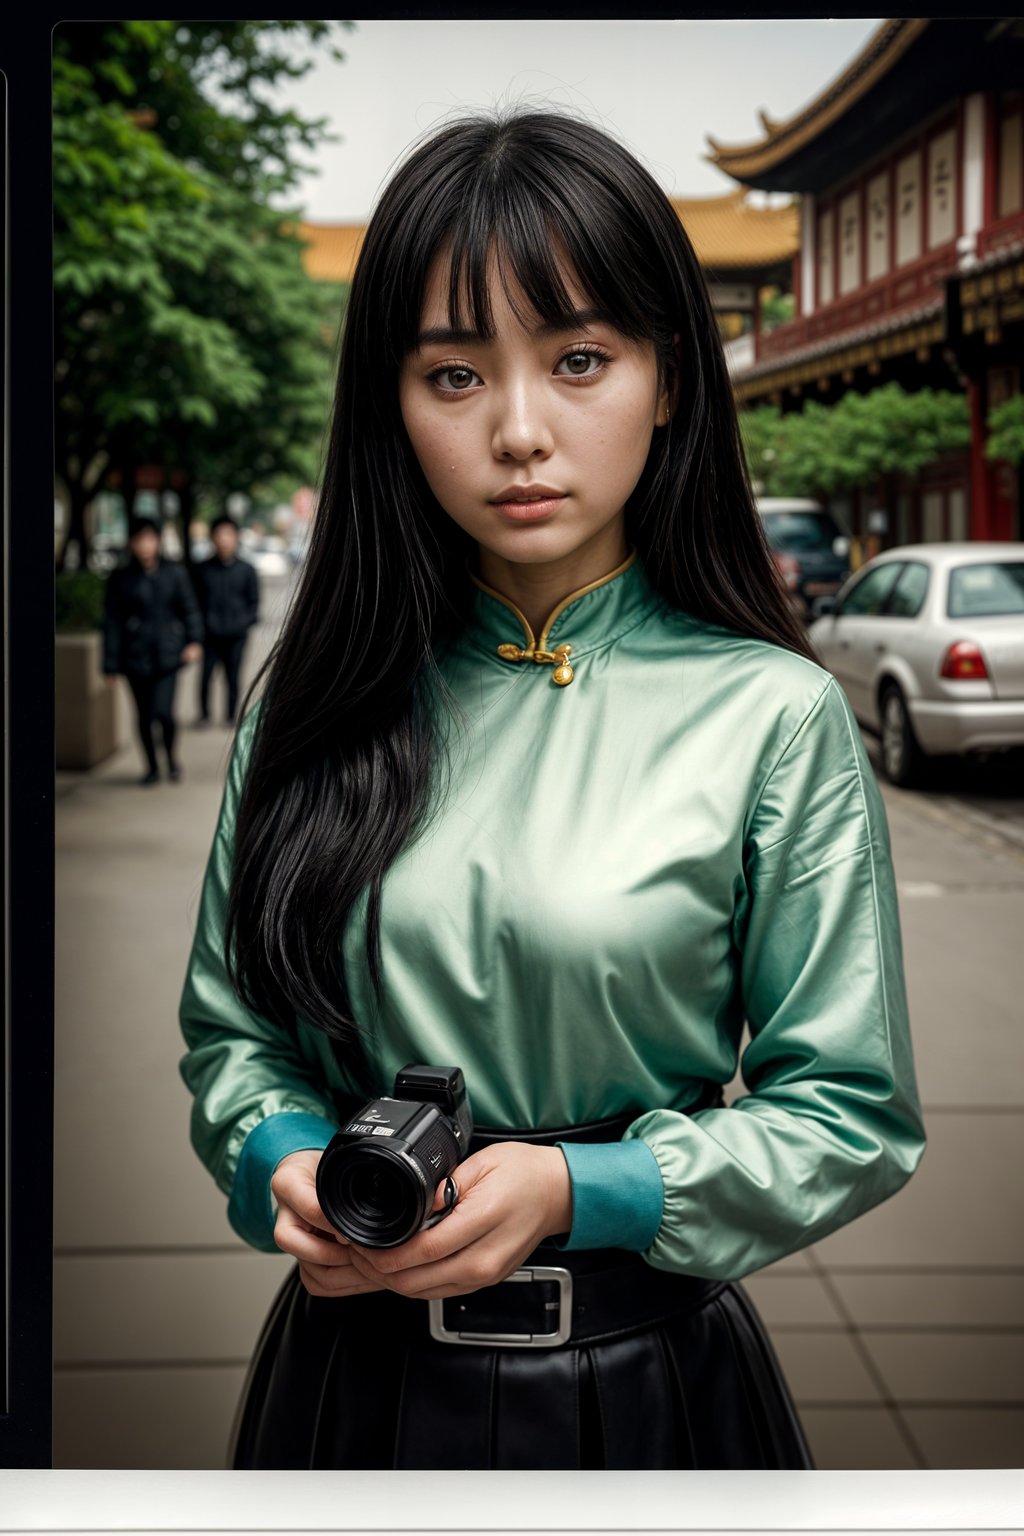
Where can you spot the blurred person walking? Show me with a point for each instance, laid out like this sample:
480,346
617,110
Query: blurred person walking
229,597
152,625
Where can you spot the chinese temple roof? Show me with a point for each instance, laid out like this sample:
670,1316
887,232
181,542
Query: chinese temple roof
910,68
728,233
887,44
331,250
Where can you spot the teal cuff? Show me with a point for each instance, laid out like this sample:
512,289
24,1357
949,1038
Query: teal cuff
618,1195
250,1209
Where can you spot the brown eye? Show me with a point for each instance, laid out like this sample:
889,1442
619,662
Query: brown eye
578,362
458,378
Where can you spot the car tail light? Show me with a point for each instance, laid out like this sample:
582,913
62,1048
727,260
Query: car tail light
789,569
963,662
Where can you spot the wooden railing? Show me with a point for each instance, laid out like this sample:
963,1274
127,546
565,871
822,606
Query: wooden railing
1000,233
908,288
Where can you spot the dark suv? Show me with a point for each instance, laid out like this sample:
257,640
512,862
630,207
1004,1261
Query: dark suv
811,550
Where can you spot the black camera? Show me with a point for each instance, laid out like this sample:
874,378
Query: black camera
376,1179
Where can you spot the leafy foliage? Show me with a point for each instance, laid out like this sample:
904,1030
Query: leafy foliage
188,333
776,308
824,449
79,597
1006,431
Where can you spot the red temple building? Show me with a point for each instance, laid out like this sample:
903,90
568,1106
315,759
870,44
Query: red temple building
909,168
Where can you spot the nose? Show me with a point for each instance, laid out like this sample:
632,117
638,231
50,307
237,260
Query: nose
522,424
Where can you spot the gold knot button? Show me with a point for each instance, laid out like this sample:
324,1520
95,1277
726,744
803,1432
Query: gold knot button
562,673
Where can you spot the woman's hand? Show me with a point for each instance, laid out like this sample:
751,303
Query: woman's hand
325,1257
192,652
511,1196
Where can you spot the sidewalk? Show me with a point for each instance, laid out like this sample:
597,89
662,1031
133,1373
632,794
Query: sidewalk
902,1335
157,1303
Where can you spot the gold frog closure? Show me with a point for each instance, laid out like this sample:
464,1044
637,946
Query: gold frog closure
536,649
562,674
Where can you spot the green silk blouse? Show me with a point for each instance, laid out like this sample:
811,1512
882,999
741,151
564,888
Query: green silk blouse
645,842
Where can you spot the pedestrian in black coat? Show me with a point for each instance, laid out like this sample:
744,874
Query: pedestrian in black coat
151,627
229,597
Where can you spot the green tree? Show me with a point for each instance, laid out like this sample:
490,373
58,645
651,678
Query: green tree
1006,431
760,433
776,308
858,441
188,334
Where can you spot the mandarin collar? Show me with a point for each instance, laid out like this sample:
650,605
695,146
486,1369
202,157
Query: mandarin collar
584,620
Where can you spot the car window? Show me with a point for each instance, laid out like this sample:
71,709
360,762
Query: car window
910,591
869,592
986,589
791,532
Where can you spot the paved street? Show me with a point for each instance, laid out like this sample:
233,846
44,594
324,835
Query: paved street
902,1335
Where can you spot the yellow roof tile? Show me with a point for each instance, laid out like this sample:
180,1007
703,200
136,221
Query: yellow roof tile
729,232
331,250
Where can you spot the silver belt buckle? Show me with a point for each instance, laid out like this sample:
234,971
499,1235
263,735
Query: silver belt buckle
516,1340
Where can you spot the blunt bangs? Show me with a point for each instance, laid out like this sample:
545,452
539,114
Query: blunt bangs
543,215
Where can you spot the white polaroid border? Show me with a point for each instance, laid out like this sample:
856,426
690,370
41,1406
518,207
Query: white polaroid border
263,1503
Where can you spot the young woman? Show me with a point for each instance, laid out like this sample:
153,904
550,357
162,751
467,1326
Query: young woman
544,783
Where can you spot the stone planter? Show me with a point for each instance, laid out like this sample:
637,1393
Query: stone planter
88,719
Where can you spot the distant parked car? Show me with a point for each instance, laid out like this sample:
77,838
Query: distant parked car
811,550
928,644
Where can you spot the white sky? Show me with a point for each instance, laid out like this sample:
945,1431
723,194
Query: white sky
659,85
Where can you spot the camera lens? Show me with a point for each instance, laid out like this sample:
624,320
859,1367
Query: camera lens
374,1198
375,1191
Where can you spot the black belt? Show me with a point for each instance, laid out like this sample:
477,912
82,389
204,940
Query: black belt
612,1129
559,1298
557,1305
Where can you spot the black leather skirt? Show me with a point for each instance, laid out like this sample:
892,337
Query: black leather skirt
658,1371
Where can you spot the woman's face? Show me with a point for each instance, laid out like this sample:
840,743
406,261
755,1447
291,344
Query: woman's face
571,412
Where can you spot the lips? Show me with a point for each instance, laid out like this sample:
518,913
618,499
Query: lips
513,493
532,503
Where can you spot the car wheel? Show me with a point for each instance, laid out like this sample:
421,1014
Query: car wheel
902,758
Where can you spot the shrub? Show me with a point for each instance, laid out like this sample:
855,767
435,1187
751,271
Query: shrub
79,601
1006,425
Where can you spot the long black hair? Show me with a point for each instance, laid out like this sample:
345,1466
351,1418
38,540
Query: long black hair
345,747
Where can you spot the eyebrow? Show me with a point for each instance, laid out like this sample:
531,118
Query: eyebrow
440,335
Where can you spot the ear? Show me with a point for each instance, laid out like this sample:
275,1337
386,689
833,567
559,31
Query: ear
669,397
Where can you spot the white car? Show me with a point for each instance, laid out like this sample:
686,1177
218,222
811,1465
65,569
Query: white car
928,644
